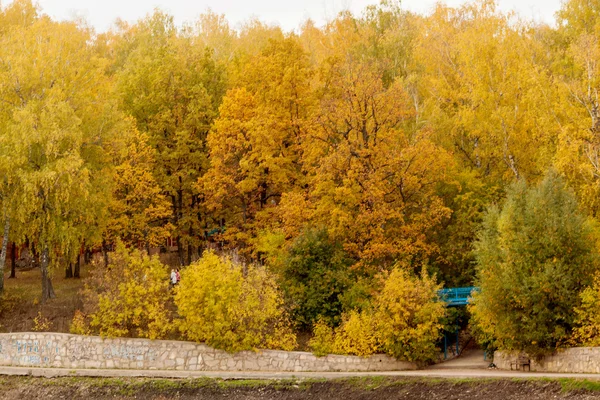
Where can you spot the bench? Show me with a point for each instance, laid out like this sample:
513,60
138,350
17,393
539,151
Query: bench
521,361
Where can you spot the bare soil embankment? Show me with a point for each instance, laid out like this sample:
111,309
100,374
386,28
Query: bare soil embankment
13,388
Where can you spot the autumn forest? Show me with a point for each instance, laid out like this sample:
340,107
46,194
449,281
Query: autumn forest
339,165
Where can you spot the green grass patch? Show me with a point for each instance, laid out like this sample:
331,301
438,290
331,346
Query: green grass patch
131,386
574,384
139,386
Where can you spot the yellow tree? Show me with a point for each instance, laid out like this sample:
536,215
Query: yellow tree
172,88
138,212
371,170
19,13
577,71
60,113
372,175
486,92
255,150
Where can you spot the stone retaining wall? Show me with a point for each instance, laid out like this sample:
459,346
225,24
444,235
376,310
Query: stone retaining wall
73,351
573,360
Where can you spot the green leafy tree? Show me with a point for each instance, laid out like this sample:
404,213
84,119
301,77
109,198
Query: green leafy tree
315,276
534,256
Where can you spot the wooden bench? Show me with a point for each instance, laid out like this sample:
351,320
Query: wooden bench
521,361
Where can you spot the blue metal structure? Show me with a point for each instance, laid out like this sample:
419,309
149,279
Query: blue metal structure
455,297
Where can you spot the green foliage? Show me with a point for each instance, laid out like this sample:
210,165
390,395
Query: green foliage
534,255
227,310
130,297
468,197
315,275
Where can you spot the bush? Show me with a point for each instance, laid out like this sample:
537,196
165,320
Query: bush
129,298
79,325
534,257
587,332
409,316
315,275
41,323
228,311
404,321
357,335
322,342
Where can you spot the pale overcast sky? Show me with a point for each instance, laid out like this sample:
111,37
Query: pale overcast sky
288,14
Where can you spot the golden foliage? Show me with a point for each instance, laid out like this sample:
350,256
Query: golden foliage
587,331
322,341
79,325
129,298
409,315
405,321
220,305
41,323
357,335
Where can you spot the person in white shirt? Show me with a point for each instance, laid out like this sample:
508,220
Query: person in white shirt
173,277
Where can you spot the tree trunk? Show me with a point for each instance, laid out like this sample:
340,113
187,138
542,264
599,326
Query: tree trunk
77,272
69,270
13,261
47,289
179,250
105,252
87,257
3,254
35,256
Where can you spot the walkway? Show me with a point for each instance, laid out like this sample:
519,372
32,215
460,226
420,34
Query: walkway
427,373
469,359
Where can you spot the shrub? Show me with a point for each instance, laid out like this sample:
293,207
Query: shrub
315,273
41,323
404,321
322,342
228,311
409,316
130,297
357,335
534,256
587,331
79,326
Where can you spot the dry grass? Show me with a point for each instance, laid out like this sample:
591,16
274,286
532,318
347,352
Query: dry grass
26,290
